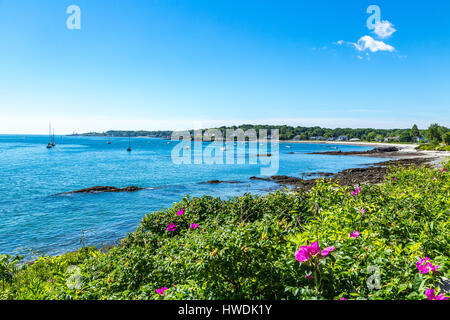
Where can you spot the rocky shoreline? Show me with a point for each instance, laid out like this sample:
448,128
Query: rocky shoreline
400,155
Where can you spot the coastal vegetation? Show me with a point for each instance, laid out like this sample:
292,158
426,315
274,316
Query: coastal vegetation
435,147
435,134
438,137
367,241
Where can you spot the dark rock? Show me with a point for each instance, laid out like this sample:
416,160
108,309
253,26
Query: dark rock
102,189
385,149
322,174
286,179
444,285
217,182
258,178
350,177
376,150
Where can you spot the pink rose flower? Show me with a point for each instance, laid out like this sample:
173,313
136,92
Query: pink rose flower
356,192
180,213
424,266
327,250
305,252
194,226
431,295
354,234
302,254
171,227
313,248
161,291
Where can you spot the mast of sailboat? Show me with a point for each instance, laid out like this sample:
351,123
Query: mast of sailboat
49,145
129,143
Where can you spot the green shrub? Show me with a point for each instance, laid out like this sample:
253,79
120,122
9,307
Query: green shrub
244,247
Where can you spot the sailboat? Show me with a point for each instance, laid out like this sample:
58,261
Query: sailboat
50,143
53,143
129,144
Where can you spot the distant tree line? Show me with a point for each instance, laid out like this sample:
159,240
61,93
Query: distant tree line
127,133
435,134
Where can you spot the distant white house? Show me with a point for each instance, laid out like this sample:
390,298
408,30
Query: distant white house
388,139
420,139
317,138
342,138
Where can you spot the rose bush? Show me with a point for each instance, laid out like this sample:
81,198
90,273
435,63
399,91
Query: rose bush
387,241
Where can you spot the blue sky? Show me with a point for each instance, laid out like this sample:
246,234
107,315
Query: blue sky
170,64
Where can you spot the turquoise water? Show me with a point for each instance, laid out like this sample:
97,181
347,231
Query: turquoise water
34,220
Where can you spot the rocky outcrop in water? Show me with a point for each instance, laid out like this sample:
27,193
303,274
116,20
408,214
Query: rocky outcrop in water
102,189
375,151
217,182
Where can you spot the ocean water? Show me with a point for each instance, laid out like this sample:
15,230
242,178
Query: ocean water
35,220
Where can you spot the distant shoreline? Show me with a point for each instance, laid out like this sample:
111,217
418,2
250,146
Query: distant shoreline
406,150
354,143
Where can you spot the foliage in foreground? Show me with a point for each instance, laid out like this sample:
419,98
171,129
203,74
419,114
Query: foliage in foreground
248,248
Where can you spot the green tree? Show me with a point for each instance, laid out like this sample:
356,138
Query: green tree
405,136
433,134
371,135
415,133
446,138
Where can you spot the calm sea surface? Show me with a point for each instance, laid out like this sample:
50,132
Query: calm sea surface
34,220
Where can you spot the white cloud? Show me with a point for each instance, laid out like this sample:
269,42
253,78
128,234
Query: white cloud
384,29
369,43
